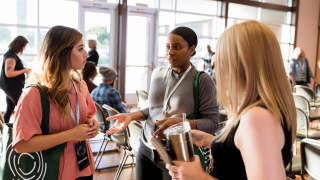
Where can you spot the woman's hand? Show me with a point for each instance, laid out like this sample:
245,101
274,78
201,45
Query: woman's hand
122,122
81,132
94,128
27,70
165,124
186,170
200,138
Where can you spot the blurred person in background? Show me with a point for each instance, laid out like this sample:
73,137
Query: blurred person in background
300,72
89,72
12,78
262,125
105,93
207,61
93,54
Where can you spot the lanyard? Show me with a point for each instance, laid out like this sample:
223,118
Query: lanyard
166,97
301,65
76,122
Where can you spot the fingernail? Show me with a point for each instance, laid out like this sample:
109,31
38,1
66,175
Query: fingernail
89,136
167,166
90,129
88,133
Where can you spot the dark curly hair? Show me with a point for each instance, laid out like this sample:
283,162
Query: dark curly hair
88,71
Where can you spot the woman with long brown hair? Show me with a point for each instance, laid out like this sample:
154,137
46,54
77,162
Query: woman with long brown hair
12,77
254,89
71,106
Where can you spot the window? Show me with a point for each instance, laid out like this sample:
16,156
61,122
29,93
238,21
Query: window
58,12
150,3
198,6
23,12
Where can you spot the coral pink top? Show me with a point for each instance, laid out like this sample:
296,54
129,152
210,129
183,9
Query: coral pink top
28,120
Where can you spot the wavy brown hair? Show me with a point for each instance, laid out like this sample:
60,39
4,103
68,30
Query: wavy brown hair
53,66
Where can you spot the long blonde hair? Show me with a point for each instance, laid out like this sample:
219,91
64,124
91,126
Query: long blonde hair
53,66
250,72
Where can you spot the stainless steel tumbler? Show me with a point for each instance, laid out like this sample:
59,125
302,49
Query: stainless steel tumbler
179,142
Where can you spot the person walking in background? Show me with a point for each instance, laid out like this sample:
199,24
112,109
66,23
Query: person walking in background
93,54
12,78
300,72
207,61
89,72
71,111
105,93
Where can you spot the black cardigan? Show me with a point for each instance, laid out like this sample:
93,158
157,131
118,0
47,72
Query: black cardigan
93,56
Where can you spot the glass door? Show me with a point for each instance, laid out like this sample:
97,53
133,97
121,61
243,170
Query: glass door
139,54
99,24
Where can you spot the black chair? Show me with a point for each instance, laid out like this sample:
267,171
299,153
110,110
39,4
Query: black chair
100,116
122,139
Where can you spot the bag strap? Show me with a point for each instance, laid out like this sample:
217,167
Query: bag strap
45,104
196,113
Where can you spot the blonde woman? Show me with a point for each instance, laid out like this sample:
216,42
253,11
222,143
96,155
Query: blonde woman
71,106
300,72
253,86
93,54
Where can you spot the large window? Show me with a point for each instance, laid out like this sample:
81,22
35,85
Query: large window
280,22
32,20
208,19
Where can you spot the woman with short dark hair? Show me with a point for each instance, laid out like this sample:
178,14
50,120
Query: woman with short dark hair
165,111
89,72
12,74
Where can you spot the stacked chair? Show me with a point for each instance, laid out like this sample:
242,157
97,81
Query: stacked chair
308,94
302,103
310,156
142,97
303,132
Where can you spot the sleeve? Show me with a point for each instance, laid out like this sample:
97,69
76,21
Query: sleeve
115,99
209,107
145,112
27,121
292,68
91,107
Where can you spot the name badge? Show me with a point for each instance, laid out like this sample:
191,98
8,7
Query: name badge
303,76
82,155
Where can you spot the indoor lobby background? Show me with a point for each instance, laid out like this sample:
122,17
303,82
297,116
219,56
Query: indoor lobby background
131,34
132,38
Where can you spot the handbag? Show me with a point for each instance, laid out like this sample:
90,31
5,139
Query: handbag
308,72
42,165
202,152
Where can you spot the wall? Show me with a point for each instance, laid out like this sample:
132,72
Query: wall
307,32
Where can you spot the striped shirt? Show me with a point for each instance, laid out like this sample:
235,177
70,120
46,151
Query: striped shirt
181,101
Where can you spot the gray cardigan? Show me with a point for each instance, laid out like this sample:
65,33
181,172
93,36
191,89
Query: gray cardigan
180,102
